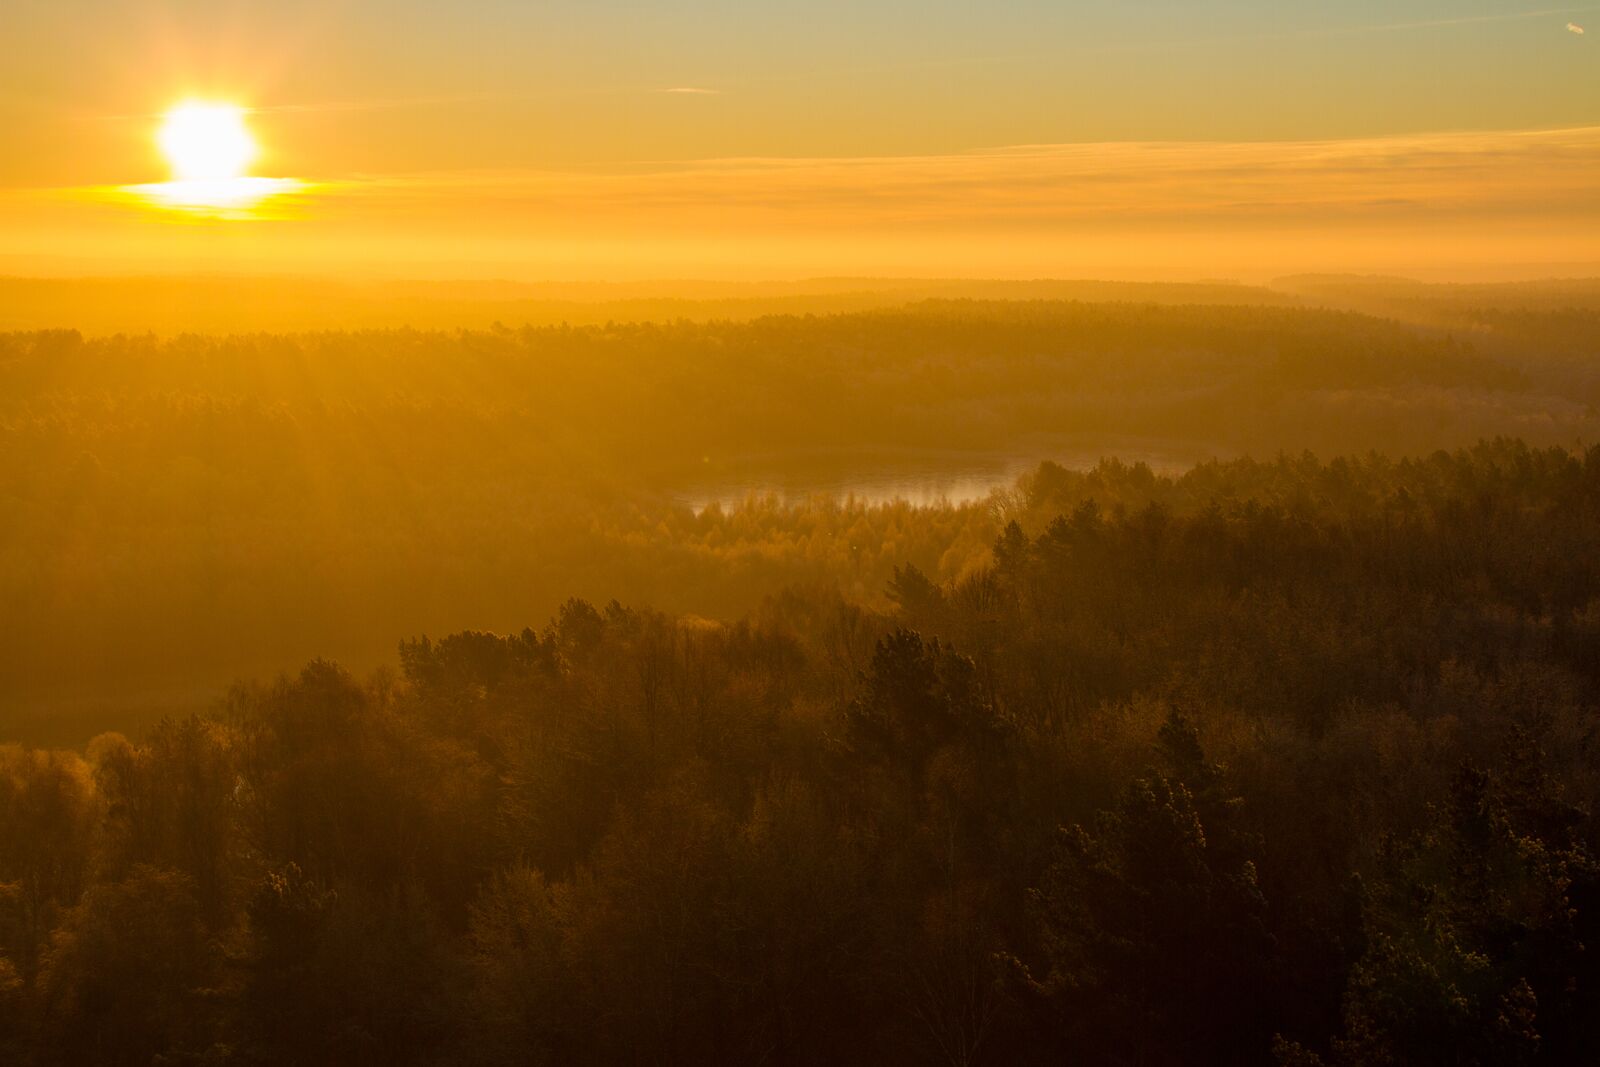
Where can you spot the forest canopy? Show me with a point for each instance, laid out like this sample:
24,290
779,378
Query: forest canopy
1283,762
182,511
576,693
604,533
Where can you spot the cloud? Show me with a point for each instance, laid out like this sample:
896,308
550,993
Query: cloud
1435,179
375,104
1365,29
1573,27
1481,198
692,90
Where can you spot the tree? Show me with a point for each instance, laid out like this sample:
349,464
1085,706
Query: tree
1153,944
131,974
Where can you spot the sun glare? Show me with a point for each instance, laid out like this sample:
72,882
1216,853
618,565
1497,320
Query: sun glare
210,148
207,142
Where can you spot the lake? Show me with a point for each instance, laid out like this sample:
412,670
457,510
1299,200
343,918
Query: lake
922,478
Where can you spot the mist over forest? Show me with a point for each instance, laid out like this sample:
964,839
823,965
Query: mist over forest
1017,534
194,508
843,671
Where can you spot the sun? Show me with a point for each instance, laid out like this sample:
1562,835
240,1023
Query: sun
207,142
210,148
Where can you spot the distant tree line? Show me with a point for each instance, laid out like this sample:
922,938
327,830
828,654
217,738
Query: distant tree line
193,508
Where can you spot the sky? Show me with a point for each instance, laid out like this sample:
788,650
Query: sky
747,137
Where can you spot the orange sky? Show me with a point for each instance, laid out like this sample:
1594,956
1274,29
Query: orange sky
604,140
1468,204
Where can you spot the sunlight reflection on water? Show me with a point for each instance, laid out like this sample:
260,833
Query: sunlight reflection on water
922,485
